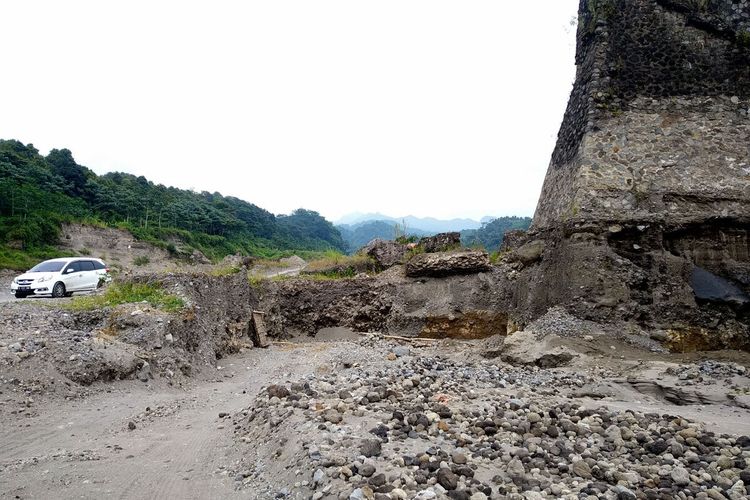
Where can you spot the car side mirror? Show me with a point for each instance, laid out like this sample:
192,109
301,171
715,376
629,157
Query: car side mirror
70,270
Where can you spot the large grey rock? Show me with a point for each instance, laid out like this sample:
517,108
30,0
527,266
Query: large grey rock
385,253
529,252
447,263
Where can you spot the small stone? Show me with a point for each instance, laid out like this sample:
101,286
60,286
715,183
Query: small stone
370,448
332,416
725,462
581,469
401,351
377,480
319,477
398,494
680,476
737,491
458,458
624,493
131,425
447,478
278,391
516,470
427,494
366,470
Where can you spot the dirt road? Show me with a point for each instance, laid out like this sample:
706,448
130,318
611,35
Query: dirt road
179,449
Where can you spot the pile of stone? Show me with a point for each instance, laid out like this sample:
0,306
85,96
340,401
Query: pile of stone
431,428
707,372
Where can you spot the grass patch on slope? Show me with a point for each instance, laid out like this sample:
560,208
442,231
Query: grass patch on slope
23,260
129,293
334,265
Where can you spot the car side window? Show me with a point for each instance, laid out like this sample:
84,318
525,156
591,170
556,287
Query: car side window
86,265
98,265
73,267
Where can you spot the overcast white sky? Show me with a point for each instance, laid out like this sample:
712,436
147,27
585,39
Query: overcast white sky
406,107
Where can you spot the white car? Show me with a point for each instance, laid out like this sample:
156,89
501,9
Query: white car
61,277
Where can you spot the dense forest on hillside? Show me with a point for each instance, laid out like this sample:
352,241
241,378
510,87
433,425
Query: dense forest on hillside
38,193
490,235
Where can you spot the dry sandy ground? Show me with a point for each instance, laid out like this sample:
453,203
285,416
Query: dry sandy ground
179,449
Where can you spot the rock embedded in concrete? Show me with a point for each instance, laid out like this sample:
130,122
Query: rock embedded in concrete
385,253
447,264
443,242
528,253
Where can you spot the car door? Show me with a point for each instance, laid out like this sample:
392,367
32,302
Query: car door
72,276
90,277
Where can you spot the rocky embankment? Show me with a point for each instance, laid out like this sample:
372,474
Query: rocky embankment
48,347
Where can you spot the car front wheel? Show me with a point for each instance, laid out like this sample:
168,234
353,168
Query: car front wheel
58,290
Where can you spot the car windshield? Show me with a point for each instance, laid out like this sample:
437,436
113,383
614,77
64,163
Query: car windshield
49,266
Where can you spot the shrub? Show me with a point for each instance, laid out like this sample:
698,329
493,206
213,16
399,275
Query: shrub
141,260
336,265
225,271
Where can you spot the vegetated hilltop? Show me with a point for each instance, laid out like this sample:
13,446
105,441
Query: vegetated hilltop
38,193
491,234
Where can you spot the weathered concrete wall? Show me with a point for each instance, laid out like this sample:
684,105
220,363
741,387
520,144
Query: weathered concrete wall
658,125
650,179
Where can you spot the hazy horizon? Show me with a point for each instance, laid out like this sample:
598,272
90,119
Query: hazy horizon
426,108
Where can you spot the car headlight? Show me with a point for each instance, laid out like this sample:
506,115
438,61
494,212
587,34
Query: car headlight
44,278
15,280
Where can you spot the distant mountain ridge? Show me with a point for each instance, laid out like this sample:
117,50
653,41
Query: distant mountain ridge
360,234
424,224
488,234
